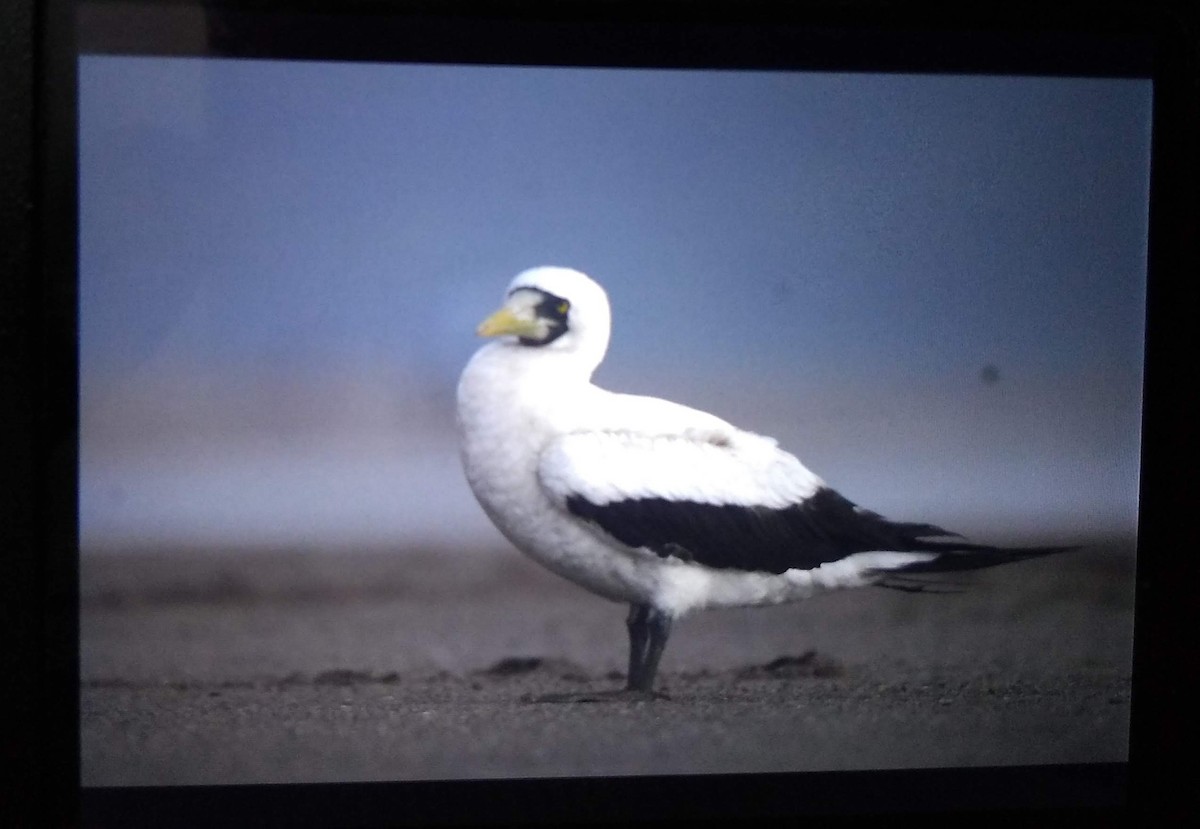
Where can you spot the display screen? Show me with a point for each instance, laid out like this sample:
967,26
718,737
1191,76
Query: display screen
928,286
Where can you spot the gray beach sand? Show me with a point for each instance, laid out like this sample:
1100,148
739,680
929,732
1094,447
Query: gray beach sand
289,666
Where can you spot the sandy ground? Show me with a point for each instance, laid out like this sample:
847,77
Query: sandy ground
232,667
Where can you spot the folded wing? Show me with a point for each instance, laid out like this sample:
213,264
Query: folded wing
728,501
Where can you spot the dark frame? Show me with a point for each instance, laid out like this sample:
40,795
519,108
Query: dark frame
1114,41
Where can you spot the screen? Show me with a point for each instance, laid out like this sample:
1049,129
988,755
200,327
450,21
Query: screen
928,286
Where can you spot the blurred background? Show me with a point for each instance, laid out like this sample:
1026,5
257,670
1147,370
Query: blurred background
929,288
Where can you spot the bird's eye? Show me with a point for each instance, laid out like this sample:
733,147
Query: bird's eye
563,306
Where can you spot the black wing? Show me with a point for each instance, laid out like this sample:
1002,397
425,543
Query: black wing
824,527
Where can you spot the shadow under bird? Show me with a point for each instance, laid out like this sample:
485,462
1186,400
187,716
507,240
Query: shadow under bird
648,502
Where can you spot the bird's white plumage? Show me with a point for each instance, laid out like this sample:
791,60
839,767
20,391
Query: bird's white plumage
536,432
703,467
653,503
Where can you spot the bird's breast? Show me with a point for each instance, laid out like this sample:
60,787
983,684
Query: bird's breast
504,429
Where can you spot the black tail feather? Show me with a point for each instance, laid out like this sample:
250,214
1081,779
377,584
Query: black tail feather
956,557
913,532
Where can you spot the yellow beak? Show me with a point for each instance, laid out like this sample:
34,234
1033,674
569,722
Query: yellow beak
505,321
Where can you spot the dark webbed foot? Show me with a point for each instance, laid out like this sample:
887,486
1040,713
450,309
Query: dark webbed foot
649,629
616,695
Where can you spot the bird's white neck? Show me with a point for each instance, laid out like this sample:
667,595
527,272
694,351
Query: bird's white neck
533,364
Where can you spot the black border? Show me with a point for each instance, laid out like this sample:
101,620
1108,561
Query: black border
749,35
38,354
718,799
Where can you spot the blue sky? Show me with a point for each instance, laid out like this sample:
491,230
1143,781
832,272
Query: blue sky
829,258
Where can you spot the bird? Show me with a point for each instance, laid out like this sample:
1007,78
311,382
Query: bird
655,504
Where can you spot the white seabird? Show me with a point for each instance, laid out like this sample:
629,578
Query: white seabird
649,502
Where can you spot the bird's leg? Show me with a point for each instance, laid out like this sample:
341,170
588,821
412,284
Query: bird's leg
639,633
648,632
660,629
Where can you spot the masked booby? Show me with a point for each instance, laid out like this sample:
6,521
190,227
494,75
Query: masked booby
652,503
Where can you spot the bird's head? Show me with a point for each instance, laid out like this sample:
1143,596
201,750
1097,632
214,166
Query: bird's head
556,308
